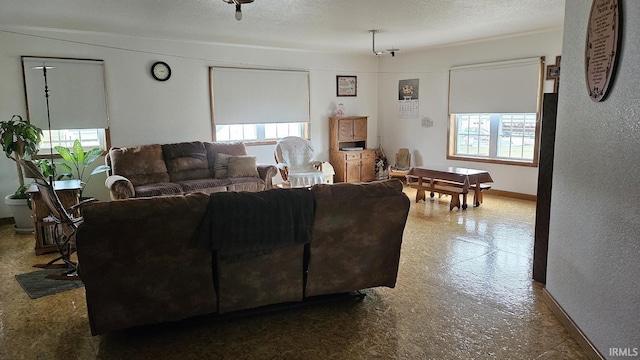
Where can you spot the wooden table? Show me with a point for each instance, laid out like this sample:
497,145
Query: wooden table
454,181
68,192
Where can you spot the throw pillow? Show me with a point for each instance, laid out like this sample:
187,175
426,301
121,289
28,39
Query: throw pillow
221,165
242,166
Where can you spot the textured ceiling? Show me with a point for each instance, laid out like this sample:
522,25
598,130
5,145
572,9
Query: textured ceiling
323,25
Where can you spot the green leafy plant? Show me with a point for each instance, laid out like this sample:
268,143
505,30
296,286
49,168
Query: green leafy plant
19,140
77,161
47,168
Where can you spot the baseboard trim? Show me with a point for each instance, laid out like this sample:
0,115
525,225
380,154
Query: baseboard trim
511,194
571,327
7,221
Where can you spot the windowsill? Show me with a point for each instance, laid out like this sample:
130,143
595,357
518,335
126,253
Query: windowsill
526,163
260,142
46,154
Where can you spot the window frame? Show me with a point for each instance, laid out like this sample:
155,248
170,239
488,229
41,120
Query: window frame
258,142
47,153
452,134
452,146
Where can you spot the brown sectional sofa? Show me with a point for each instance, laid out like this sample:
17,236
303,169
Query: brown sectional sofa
142,260
180,168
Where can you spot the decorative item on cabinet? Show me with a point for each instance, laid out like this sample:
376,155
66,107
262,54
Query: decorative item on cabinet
349,156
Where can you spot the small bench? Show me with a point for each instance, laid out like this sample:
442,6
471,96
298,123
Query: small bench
472,188
440,187
478,197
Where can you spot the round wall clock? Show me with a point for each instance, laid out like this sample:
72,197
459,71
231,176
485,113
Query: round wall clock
160,71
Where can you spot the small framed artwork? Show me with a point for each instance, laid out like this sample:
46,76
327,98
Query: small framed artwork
553,73
346,85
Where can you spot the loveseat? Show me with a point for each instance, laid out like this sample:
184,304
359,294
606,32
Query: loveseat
181,168
143,262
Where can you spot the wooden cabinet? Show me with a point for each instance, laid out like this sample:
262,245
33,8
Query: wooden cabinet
353,166
348,153
68,192
352,129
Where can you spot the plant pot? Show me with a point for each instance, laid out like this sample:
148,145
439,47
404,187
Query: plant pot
21,215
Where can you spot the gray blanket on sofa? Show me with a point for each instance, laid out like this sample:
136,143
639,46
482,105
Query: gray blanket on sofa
254,223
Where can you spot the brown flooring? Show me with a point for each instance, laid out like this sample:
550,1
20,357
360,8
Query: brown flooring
464,291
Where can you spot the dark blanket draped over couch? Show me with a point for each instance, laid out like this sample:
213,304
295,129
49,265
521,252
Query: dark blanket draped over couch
246,223
141,264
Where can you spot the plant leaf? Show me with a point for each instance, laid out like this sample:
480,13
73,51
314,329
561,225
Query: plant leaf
78,152
66,167
65,153
92,155
100,169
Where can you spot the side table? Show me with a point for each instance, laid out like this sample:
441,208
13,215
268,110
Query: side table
69,192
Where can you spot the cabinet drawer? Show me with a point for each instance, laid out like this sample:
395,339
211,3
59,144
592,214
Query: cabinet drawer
352,155
368,154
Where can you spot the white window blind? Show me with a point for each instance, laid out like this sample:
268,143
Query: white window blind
256,96
499,87
77,95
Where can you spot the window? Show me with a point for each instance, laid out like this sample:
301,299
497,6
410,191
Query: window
494,110
259,132
509,137
89,138
258,105
77,101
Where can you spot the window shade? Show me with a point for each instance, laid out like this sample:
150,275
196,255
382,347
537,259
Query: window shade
498,87
250,96
77,95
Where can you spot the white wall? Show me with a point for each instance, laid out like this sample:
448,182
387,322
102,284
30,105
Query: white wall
144,111
594,242
429,145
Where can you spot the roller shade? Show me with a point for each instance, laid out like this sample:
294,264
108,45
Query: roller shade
77,95
250,96
500,87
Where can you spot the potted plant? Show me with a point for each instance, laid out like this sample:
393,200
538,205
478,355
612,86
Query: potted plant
20,140
77,161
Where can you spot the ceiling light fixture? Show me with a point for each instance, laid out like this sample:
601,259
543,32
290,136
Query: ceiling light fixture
373,45
237,3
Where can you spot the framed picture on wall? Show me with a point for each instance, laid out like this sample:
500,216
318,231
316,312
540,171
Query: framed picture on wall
346,85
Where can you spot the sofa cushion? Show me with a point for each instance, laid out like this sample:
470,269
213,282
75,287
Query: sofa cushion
186,160
242,166
230,148
246,184
207,185
140,164
158,189
221,165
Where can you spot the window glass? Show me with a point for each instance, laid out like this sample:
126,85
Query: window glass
259,132
500,137
89,138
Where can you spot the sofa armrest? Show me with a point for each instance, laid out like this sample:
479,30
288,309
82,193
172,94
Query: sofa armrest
139,262
267,172
119,187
